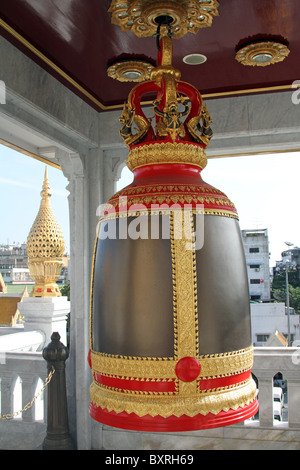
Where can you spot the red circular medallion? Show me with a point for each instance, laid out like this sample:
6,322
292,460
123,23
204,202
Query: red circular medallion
187,369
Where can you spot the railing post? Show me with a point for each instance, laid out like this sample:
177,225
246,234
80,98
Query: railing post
265,399
27,394
58,436
293,396
6,393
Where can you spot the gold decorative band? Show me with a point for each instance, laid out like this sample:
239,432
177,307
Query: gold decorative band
213,365
136,213
185,309
157,153
166,405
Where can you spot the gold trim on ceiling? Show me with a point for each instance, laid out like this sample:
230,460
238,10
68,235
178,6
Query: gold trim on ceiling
49,62
29,154
82,90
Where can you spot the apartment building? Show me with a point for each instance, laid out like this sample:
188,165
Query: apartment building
13,264
256,247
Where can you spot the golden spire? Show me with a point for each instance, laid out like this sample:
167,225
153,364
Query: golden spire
45,248
45,193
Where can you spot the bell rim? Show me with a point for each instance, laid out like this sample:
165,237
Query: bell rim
172,423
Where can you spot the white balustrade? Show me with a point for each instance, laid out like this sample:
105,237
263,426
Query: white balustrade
28,429
22,375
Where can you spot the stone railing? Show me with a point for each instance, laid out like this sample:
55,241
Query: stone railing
22,375
267,363
26,372
261,433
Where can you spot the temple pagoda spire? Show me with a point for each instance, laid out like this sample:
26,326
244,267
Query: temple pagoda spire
45,248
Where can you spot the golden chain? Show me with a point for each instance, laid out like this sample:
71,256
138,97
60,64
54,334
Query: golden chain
29,405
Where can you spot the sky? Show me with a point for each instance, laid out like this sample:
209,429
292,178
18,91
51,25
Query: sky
21,180
264,189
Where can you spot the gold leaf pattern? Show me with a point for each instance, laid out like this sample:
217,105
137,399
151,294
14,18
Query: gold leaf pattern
166,153
166,406
213,365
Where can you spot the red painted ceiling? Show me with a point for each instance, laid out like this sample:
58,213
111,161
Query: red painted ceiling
77,37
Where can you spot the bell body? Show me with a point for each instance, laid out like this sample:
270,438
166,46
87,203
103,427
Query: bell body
170,343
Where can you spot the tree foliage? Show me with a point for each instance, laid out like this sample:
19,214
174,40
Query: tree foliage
279,289
65,290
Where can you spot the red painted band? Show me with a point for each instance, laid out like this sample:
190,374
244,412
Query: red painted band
165,173
172,423
133,384
208,384
167,386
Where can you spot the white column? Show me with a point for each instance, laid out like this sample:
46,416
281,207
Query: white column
76,169
114,160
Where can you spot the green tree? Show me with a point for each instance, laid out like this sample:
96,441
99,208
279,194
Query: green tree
65,290
294,293
278,291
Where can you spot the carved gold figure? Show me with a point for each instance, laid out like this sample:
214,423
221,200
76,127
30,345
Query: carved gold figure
192,123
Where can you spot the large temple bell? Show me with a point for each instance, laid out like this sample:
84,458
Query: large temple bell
170,343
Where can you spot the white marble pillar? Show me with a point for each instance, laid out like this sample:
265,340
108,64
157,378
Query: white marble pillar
83,201
114,160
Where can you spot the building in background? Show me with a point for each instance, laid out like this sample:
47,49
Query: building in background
267,316
291,258
13,264
14,268
256,247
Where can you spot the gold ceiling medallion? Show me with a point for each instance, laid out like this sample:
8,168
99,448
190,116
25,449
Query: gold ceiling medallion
130,71
262,53
140,16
